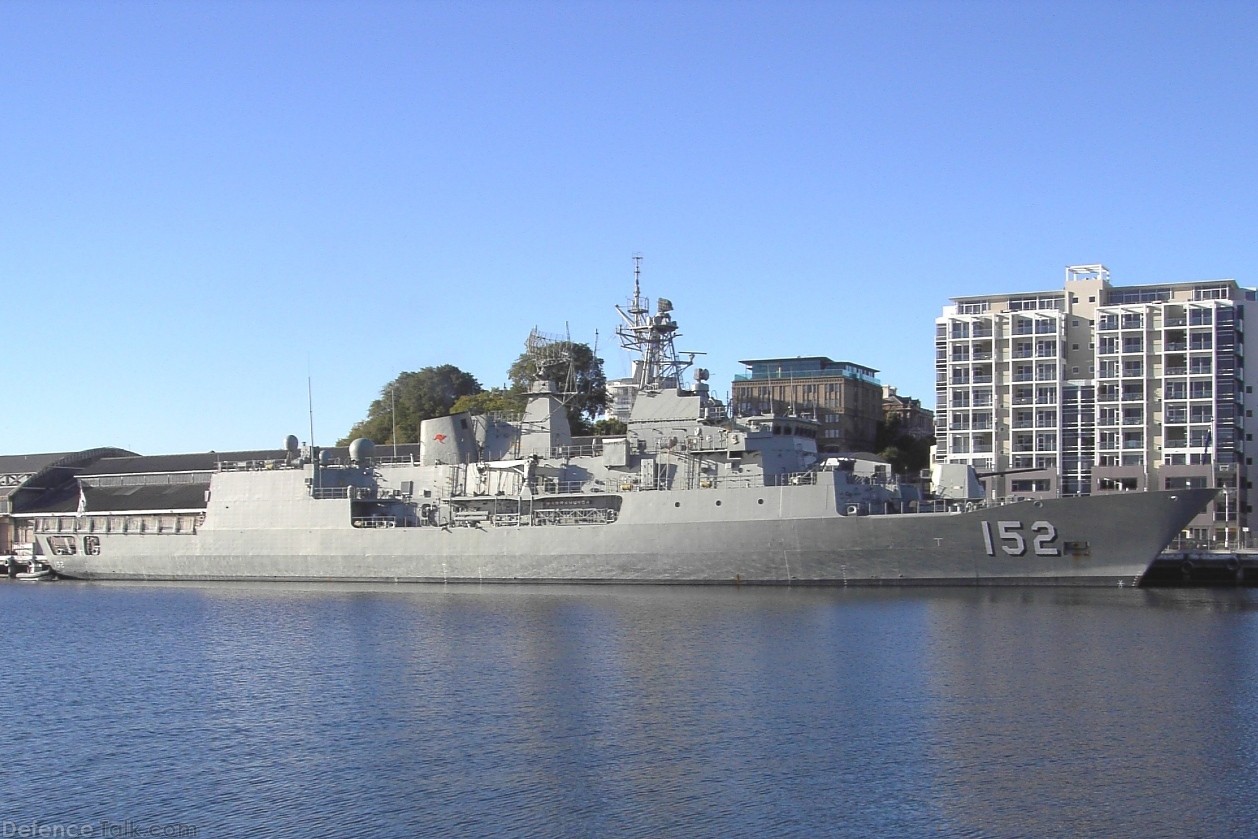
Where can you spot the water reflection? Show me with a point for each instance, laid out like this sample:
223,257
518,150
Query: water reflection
1093,713
634,711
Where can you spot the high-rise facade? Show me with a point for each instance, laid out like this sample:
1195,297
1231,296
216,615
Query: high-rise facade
1100,388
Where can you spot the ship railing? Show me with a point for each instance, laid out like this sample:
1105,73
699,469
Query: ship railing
253,465
400,460
577,515
725,482
715,413
586,450
322,493
930,505
690,443
550,487
791,479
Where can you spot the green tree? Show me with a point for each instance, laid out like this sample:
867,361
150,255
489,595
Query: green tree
427,393
498,400
906,454
610,427
578,376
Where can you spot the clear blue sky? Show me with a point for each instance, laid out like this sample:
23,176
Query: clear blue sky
204,204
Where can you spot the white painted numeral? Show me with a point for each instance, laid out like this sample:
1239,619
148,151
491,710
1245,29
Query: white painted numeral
1009,533
1014,543
1045,534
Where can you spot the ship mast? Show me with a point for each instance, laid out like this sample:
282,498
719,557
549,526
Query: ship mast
652,337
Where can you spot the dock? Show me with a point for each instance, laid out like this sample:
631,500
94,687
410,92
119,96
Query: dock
1203,568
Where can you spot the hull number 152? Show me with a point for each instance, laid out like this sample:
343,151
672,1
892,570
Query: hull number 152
1013,539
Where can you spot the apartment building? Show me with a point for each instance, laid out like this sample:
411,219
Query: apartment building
845,399
1102,388
908,412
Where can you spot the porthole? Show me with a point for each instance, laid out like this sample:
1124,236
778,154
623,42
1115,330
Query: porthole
676,503
718,503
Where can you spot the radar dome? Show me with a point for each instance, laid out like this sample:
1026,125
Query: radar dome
361,450
291,444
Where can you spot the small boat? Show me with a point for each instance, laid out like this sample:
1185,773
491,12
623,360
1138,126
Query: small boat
36,573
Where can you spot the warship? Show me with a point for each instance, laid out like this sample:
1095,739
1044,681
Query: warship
688,493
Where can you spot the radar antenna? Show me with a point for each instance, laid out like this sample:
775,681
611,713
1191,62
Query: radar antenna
659,365
552,361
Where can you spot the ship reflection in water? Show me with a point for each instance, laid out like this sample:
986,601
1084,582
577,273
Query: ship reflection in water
632,711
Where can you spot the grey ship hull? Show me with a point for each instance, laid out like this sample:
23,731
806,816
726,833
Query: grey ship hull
770,535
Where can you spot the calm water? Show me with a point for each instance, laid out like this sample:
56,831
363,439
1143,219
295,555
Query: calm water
256,710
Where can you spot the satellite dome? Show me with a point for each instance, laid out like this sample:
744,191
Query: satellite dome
291,444
361,450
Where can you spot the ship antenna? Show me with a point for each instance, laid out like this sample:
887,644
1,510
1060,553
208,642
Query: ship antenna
310,406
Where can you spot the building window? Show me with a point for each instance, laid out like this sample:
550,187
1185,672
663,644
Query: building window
1036,485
